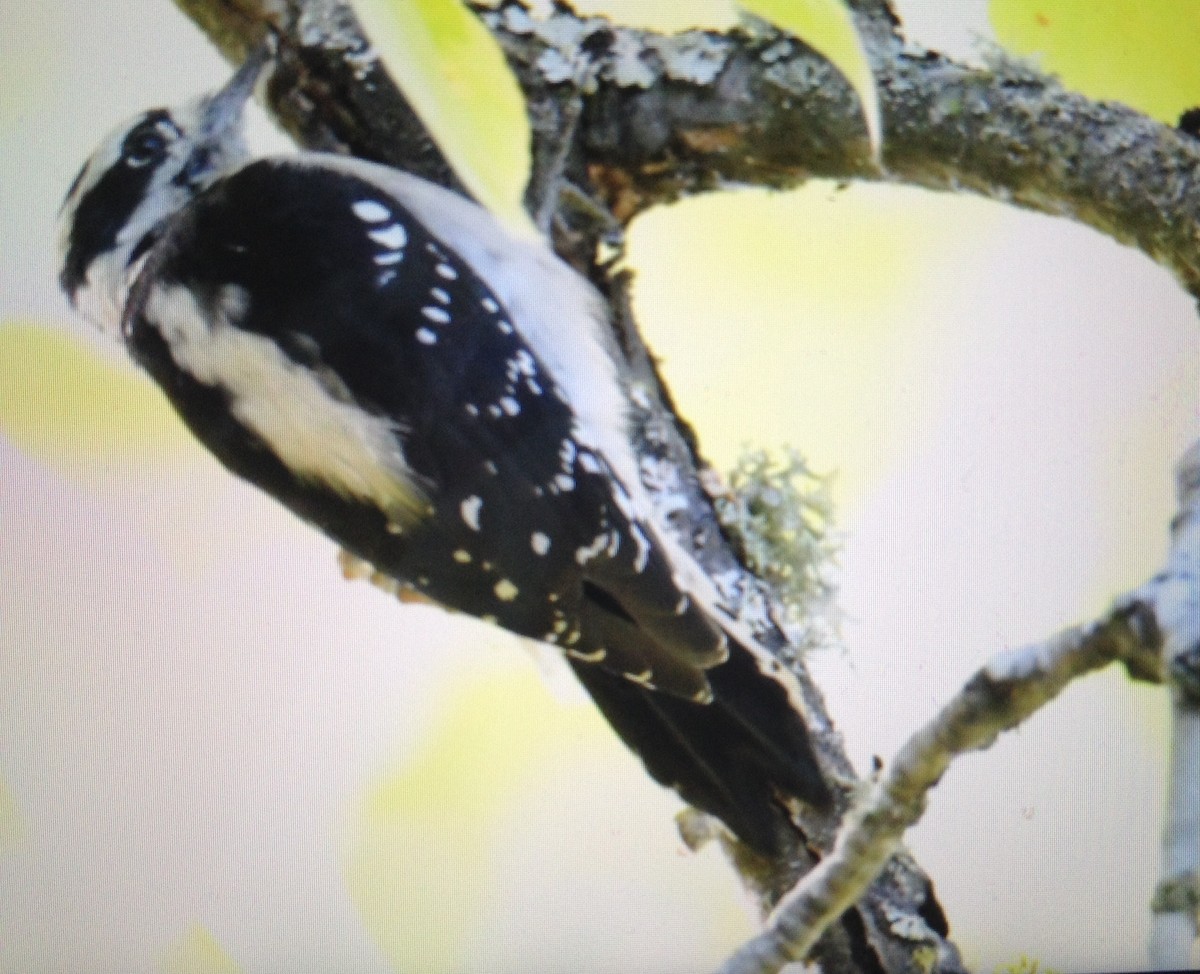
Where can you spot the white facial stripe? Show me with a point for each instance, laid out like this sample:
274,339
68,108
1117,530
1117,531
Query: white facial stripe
101,298
102,294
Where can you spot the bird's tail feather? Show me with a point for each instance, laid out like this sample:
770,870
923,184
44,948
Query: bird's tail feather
733,757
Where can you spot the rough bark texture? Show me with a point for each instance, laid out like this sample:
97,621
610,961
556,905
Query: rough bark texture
658,117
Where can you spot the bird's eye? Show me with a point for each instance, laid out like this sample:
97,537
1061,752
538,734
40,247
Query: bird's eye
144,147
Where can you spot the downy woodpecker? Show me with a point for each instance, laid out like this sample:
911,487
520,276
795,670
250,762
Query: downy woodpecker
444,401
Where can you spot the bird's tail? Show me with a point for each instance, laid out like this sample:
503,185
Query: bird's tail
733,757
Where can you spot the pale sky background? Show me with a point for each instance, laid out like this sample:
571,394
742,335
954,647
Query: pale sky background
216,755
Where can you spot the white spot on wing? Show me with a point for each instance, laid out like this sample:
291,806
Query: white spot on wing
371,211
539,542
426,337
439,315
446,272
394,237
470,509
539,292
596,656
389,257
505,590
645,678
588,552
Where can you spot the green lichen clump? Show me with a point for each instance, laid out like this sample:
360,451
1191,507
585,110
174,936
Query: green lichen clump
781,513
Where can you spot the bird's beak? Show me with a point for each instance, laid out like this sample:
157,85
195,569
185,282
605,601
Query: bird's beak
222,111
217,144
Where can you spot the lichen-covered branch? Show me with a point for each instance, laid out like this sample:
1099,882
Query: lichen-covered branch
632,119
684,114
663,116
1175,594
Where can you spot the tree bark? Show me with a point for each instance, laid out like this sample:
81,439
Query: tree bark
634,119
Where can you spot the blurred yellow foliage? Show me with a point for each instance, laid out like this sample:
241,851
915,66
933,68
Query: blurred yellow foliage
197,952
1138,52
416,864
454,74
815,311
498,732
828,27
63,403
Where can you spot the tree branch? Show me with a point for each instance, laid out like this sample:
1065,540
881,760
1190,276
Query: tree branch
998,697
1160,620
1175,593
670,116
634,119
665,116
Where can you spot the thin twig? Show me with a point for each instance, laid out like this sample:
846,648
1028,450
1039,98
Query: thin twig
997,698
1160,621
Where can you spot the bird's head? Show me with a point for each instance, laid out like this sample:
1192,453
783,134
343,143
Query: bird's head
142,174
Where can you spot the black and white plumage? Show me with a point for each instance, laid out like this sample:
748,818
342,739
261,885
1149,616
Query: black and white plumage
445,402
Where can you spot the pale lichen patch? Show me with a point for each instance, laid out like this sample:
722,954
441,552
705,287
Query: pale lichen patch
694,56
